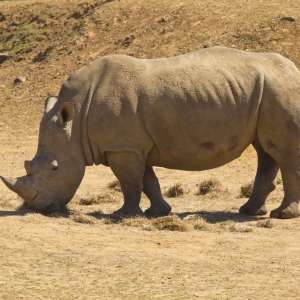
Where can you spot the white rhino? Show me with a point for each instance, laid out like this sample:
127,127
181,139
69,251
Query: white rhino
191,112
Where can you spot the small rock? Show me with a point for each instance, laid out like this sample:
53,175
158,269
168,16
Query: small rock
288,18
19,79
3,57
162,20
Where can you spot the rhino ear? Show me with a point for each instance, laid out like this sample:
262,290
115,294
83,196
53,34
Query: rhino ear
49,103
66,113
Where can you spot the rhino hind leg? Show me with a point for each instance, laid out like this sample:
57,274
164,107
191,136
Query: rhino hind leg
289,206
264,183
159,207
129,169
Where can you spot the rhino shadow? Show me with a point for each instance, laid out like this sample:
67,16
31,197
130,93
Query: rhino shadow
210,217
222,216
112,217
8,213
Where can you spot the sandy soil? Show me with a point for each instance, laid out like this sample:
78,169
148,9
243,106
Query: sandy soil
84,254
205,249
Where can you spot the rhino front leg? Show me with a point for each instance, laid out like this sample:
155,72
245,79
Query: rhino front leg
264,183
129,168
159,207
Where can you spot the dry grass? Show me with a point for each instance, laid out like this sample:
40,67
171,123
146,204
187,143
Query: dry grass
172,223
232,226
198,223
246,190
106,197
79,217
268,223
141,222
210,187
175,190
167,223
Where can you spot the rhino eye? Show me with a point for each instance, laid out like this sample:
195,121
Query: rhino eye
54,165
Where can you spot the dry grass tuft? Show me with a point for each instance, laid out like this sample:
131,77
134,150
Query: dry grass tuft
236,227
138,222
88,201
107,221
108,197
82,218
115,185
175,190
209,186
172,223
246,190
198,223
268,223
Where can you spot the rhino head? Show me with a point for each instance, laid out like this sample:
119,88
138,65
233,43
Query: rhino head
57,169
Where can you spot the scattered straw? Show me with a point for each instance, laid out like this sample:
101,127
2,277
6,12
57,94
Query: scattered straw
88,201
108,197
267,223
237,227
246,190
209,186
198,223
175,190
81,218
138,222
172,223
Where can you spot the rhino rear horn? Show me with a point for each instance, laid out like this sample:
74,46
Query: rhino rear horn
49,103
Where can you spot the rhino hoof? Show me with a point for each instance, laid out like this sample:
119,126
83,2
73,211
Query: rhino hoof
250,210
161,211
128,212
292,211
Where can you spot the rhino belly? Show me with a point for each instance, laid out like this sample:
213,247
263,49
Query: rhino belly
194,154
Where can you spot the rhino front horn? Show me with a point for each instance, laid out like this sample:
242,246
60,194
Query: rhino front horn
21,186
9,182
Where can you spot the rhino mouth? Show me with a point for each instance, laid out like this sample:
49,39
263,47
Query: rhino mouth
52,207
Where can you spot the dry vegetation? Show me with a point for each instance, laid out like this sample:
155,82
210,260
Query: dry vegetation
246,190
175,190
204,249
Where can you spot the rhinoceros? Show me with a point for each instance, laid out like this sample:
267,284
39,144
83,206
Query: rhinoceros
194,112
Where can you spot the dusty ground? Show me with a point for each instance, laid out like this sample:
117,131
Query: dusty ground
205,250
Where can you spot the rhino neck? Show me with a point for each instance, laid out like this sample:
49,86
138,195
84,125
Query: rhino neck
86,145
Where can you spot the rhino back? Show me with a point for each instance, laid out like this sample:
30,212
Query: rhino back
201,109
195,111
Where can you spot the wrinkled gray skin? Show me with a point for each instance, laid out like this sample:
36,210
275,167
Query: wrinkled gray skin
192,112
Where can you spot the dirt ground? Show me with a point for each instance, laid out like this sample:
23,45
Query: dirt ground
205,249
